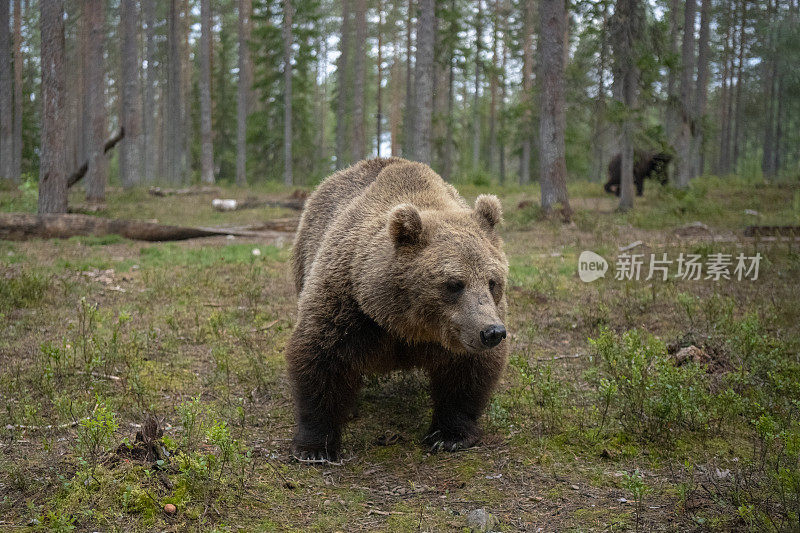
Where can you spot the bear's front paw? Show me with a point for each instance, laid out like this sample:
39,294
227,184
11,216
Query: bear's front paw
450,441
311,453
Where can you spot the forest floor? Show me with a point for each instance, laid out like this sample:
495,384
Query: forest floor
598,424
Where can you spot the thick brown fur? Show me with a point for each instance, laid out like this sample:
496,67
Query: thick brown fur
645,165
395,271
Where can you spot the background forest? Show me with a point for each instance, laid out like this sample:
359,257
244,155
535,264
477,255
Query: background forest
143,324
251,91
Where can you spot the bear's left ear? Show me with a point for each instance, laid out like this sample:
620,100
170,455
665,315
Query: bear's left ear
488,211
405,225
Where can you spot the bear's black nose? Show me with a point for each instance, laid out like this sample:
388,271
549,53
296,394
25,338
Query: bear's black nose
491,336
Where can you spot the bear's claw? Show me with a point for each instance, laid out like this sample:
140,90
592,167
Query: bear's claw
309,454
439,442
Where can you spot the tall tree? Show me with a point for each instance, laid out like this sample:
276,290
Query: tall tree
151,148
359,141
343,71
17,128
378,100
206,133
6,104
739,84
423,83
672,119
97,174
287,92
701,90
494,88
186,132
686,118
52,175
396,97
552,126
627,29
408,125
527,92
174,145
243,99
476,108
130,161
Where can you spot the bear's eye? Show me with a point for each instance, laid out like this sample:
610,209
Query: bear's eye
454,286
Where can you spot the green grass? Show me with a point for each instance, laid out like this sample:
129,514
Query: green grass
193,333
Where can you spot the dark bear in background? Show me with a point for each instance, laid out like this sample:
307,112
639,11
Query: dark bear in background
395,271
645,165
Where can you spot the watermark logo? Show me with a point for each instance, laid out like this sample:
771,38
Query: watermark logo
687,267
591,266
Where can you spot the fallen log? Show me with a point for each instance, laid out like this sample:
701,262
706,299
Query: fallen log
23,226
188,191
229,204
772,231
76,176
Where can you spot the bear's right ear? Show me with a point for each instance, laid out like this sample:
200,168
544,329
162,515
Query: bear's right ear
405,225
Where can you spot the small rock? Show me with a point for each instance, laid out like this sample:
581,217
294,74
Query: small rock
752,212
622,500
691,354
575,487
480,520
630,246
170,509
256,252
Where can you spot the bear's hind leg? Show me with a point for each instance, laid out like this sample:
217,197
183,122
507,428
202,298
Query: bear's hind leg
460,392
324,386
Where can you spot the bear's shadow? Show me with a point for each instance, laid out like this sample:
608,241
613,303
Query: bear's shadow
393,407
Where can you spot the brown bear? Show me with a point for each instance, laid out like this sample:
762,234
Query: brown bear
645,165
395,271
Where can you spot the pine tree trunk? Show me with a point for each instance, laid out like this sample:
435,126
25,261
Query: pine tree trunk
378,100
287,92
130,162
683,144
739,83
17,127
423,83
6,103
701,91
359,141
173,144
206,133
151,147
187,130
527,94
502,107
769,93
553,166
476,110
343,153
729,99
97,175
52,175
672,122
408,127
395,108
243,89
628,25
447,163
598,163
493,91
722,165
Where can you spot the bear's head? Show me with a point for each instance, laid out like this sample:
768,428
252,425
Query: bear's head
448,275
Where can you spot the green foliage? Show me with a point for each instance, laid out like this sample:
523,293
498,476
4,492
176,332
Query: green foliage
24,288
96,434
655,399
